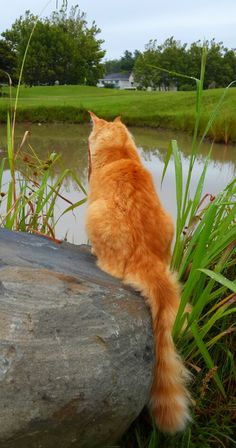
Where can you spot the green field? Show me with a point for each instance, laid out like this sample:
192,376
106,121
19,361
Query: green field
174,110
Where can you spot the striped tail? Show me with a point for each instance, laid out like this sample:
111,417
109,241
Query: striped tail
170,399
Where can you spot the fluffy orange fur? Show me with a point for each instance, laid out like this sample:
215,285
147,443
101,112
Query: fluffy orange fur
131,235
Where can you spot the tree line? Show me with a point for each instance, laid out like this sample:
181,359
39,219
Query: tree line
65,50
174,56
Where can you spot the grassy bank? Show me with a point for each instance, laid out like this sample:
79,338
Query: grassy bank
173,110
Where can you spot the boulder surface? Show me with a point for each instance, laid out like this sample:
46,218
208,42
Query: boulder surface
76,347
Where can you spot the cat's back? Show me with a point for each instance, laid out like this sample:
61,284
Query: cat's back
128,186
124,177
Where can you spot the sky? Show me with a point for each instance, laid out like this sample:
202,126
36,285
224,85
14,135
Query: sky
130,24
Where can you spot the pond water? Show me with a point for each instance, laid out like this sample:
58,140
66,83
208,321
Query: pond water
71,141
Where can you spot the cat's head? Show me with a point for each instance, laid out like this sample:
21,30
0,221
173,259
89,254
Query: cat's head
106,134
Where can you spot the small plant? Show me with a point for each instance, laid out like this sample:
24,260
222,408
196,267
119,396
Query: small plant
29,198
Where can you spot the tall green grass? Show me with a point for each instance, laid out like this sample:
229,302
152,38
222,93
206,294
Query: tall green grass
205,258
28,197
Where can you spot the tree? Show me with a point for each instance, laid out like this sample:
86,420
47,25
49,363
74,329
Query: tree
112,66
214,73
173,58
8,62
194,54
128,60
171,55
63,48
229,66
85,66
125,64
220,65
145,73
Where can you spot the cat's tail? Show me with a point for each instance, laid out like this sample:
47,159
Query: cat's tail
170,400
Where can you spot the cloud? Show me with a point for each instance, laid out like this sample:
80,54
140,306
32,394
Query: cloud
131,24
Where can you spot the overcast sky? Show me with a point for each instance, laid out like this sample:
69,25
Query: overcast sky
130,24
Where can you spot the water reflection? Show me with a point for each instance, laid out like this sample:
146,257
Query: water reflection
71,141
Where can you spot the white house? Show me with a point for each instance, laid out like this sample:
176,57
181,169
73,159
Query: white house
119,81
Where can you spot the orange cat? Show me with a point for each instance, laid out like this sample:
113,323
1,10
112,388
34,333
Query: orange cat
131,236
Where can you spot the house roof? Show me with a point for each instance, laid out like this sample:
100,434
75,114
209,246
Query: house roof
117,76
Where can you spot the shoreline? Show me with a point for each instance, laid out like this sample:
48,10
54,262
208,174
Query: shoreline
23,118
158,110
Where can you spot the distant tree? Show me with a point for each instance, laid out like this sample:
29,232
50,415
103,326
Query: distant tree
86,66
173,57
8,62
220,65
112,66
213,71
145,72
128,60
125,64
63,48
229,66
176,57
194,54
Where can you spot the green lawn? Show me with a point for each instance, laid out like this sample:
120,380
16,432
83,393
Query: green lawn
175,110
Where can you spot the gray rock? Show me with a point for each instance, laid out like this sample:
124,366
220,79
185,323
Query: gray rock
76,347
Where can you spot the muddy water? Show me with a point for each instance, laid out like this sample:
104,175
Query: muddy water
71,141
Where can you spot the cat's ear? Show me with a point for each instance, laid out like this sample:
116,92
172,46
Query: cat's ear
94,117
117,120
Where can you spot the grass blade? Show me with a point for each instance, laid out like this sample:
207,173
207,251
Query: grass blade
220,279
206,356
